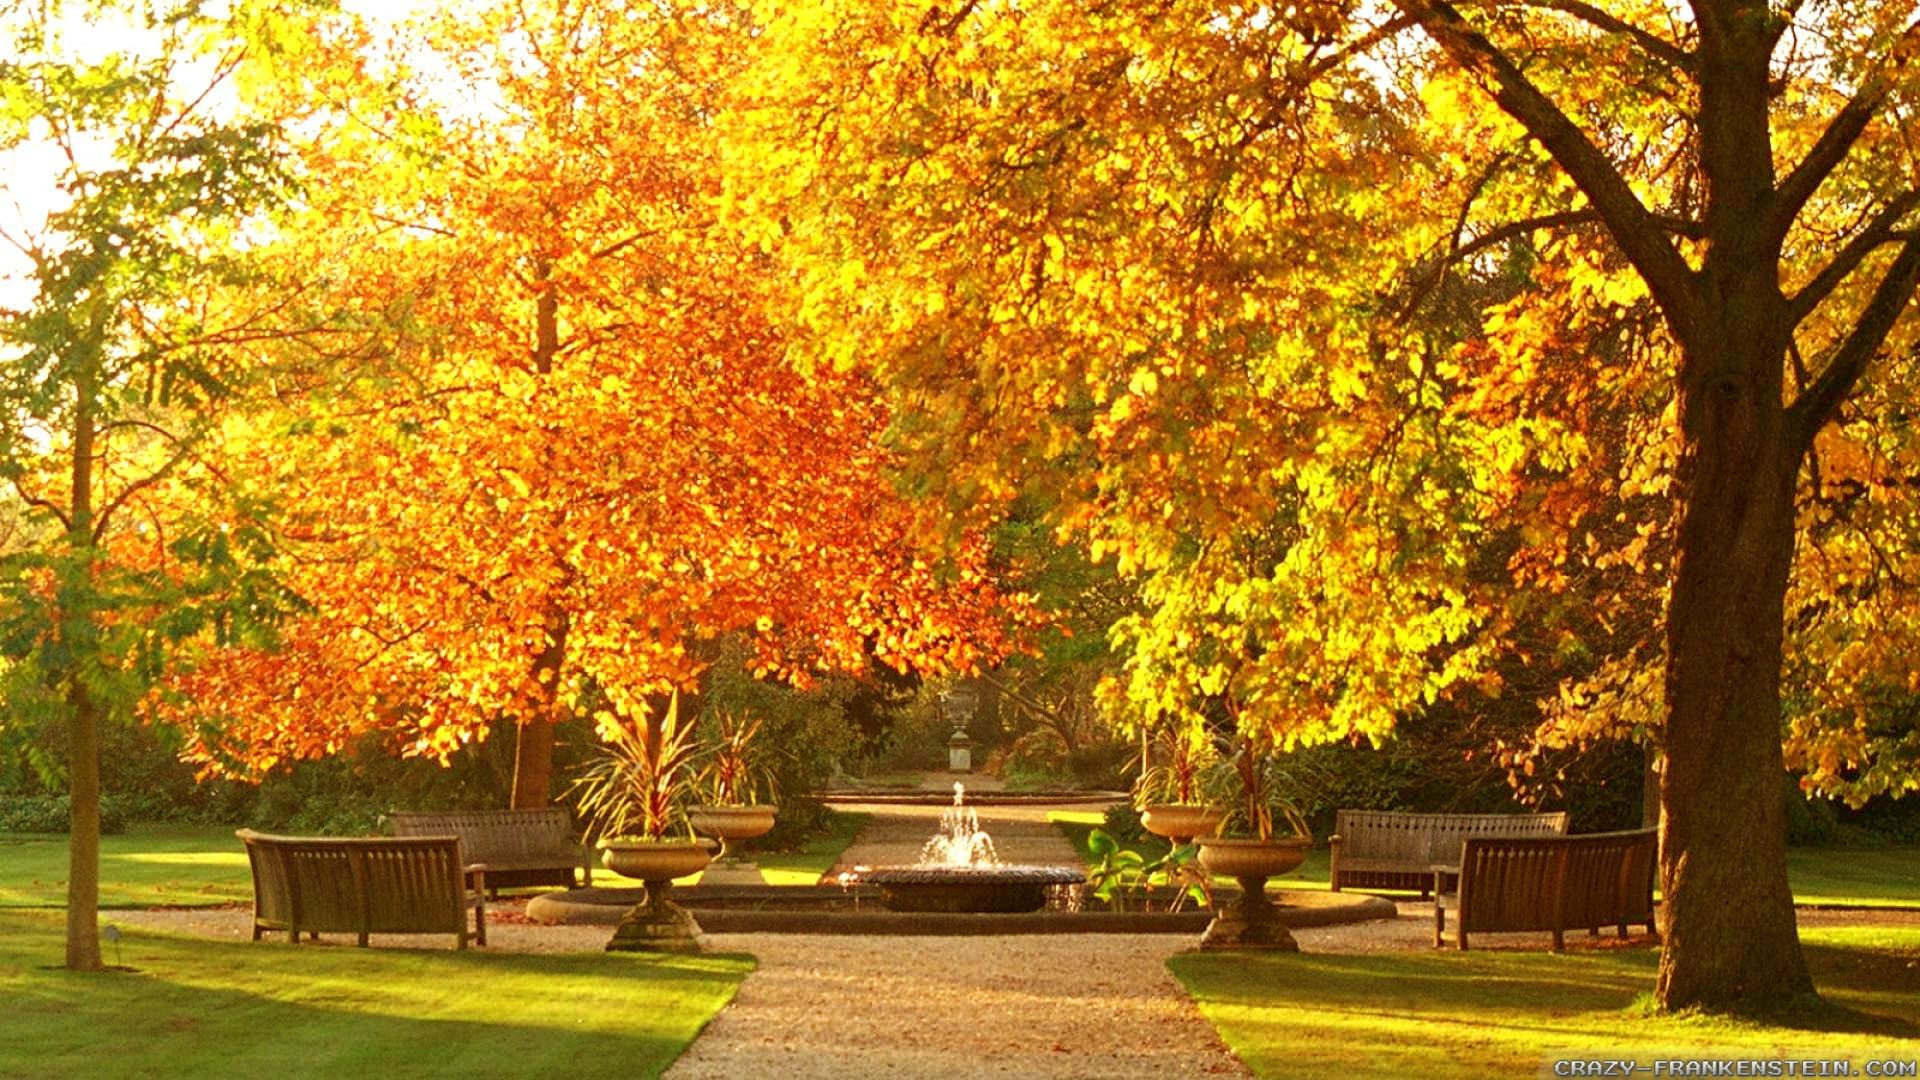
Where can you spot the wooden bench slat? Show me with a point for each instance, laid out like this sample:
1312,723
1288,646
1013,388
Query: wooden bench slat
363,885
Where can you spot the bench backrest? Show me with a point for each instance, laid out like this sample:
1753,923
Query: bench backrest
1420,840
496,835
380,884
1564,882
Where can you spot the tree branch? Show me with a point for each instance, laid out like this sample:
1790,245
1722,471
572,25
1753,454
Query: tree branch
1816,404
44,504
1847,260
1793,192
1650,43
1632,226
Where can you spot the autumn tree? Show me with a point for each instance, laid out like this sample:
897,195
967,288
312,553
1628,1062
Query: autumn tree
583,456
131,347
1177,263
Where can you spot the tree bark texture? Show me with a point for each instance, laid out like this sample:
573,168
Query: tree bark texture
83,719
1728,920
533,750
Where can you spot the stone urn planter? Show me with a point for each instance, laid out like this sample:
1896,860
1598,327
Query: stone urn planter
730,824
1181,822
656,923
1250,922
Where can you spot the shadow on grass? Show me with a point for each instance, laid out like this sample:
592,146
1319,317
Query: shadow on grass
217,1009
1488,1013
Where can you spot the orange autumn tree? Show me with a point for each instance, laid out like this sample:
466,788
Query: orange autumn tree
1388,343
583,454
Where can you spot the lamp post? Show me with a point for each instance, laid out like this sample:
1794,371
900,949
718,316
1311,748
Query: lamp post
957,704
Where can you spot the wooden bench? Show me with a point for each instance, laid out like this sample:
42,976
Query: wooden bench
518,847
364,885
1557,883
1387,849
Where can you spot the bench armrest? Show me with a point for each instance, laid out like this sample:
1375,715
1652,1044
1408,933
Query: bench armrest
476,875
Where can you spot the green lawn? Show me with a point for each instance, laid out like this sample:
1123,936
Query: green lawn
1827,877
195,865
147,866
209,1009
1441,1015
1856,877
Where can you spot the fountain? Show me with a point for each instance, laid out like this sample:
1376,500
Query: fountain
958,871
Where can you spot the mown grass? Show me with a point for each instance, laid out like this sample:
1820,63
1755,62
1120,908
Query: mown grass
1444,1015
213,1009
147,866
202,865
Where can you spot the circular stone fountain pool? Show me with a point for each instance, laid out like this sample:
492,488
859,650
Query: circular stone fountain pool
959,872
992,888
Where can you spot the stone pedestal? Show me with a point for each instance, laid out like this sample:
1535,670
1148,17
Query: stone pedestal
656,924
959,753
732,871
1249,922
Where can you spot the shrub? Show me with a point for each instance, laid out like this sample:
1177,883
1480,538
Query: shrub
1122,822
50,814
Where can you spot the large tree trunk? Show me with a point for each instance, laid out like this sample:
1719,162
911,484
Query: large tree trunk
533,751
1728,920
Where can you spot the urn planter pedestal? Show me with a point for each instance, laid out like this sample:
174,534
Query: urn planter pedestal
729,825
1249,922
1181,822
656,923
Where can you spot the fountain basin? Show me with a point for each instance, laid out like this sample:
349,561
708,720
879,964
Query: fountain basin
982,888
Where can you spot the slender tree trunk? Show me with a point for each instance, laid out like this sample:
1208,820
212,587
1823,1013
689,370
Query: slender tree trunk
1728,919
83,720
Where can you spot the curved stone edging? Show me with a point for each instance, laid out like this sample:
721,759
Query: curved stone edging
898,797
1301,908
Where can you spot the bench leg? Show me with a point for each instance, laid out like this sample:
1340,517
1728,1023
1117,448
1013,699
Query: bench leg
480,923
313,935
1461,934
257,931
1559,939
363,939
293,937
1623,929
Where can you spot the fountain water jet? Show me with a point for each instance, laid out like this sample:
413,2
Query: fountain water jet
959,871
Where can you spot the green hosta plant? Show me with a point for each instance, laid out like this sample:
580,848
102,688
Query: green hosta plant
1180,870
639,785
1118,871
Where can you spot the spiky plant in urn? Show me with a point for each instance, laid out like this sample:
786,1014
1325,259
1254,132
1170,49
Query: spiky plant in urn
739,791
1251,849
633,796
1175,760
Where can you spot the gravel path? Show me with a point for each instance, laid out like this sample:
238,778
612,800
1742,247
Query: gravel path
1094,1006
